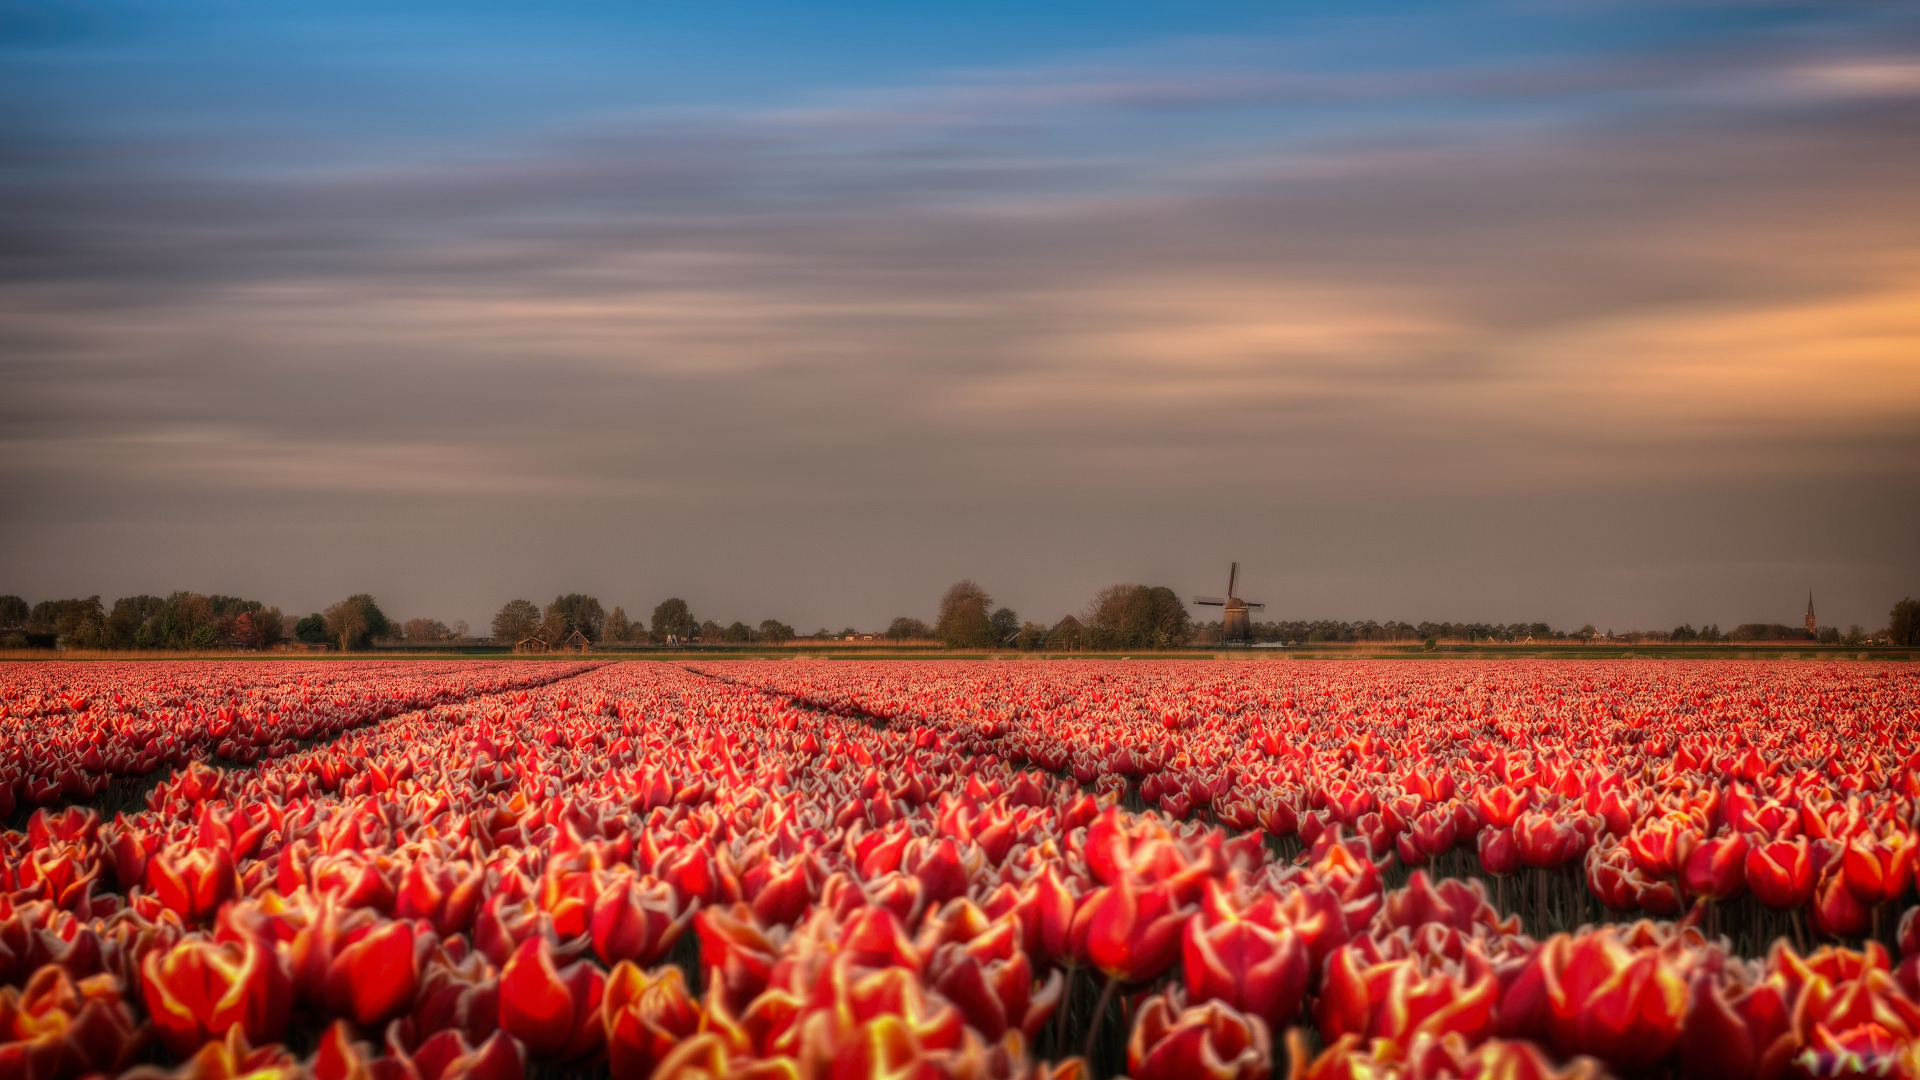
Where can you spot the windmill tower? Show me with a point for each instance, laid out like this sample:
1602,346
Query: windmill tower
1235,622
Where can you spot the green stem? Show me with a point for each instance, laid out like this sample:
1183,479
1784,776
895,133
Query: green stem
1099,1017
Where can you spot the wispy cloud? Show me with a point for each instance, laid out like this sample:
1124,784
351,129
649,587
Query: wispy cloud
1152,272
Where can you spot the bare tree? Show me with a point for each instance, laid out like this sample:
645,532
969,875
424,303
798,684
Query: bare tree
421,631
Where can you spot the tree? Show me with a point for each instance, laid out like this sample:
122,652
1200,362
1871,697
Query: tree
737,633
75,623
13,612
619,627
579,612
1586,633
130,615
312,629
1138,617
356,621
515,622
1903,623
1005,625
773,632
672,621
710,631
906,629
553,628
963,617
425,631
260,629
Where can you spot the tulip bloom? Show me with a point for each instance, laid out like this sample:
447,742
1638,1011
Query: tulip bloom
645,1016
440,894
1205,1042
1546,843
197,990
1835,911
556,1014
1502,806
1131,934
1258,971
57,1029
1717,867
1618,1003
1878,870
373,977
193,884
1780,873
1499,855
633,921
448,1056
1661,847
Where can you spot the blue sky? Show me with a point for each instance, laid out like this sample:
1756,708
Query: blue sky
1565,310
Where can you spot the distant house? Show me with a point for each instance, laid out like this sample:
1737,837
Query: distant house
576,642
1067,634
532,644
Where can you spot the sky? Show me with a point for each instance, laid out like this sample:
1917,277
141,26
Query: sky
1562,310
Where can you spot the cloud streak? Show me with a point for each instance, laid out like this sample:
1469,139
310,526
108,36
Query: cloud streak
1158,279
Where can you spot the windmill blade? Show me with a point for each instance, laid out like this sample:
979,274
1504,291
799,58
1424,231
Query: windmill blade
1211,601
1232,576
1257,607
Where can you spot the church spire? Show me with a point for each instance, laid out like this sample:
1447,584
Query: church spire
1813,628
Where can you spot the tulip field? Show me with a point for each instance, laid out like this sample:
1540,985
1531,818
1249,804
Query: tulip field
813,870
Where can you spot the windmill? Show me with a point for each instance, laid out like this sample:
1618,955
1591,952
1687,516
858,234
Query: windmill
1235,623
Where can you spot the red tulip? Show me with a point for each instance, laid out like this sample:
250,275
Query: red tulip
556,1014
1878,870
1499,854
1210,1042
1716,869
735,952
1835,911
1131,934
1258,971
448,1056
374,974
192,884
230,1058
197,990
1661,847
1605,998
1867,1049
632,921
441,894
991,982
1780,873
645,1016
1396,1000
59,1029
340,1057
1546,843
1434,832
1502,806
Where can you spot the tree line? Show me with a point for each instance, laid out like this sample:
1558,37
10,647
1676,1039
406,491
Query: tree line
181,620
672,622
1124,616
